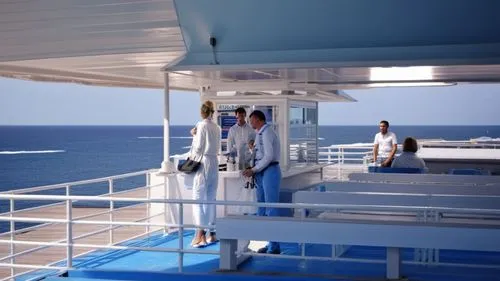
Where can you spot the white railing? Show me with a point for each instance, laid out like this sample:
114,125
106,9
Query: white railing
68,188
69,242
341,155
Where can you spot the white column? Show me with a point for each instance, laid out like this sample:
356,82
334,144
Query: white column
166,167
393,263
228,260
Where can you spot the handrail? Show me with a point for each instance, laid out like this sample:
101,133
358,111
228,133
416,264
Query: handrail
112,224
70,221
235,203
82,182
59,203
74,238
66,188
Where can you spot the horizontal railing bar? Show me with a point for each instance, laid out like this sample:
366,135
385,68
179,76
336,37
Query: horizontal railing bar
107,212
27,219
62,203
114,247
32,208
244,203
82,182
85,235
31,228
341,153
18,265
347,147
22,230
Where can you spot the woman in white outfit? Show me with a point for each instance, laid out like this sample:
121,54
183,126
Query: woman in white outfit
206,146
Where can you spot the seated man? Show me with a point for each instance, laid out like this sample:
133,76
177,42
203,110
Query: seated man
384,145
408,159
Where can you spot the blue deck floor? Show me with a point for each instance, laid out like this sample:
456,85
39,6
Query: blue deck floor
100,262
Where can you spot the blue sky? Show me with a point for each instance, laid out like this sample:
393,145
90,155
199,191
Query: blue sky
37,103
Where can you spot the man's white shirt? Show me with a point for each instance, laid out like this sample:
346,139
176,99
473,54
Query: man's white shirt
385,143
238,138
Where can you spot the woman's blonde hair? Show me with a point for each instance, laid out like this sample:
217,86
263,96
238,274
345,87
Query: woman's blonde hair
207,109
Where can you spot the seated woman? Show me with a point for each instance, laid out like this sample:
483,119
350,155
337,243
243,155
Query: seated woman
408,159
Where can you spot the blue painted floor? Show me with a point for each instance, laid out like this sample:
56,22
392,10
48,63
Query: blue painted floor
108,263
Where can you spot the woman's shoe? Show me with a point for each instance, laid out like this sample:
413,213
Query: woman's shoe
199,239
201,244
212,238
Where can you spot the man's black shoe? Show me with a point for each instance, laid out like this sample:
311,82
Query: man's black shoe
262,250
275,252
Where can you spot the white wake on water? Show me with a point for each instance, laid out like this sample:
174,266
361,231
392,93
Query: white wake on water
30,152
162,137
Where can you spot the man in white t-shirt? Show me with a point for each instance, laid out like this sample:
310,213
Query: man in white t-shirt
384,145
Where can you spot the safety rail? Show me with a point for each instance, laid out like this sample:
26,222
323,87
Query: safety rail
71,185
70,222
68,188
75,183
345,158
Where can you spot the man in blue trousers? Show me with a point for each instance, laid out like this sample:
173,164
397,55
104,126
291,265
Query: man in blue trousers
267,170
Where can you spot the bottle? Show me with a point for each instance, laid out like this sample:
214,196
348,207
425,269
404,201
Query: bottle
229,164
236,163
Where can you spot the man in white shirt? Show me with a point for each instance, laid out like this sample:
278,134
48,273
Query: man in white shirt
267,170
240,134
384,145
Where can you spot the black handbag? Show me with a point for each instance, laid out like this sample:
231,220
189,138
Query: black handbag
188,166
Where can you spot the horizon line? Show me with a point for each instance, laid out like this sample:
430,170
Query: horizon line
156,125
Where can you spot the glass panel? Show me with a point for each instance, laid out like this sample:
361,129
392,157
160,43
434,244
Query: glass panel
303,135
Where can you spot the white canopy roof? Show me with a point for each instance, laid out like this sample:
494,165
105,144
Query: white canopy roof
128,43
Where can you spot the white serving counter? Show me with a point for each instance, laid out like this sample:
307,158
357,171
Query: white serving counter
229,188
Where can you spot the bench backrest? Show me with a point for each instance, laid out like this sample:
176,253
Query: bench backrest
455,189
389,170
425,178
408,200
366,199
364,233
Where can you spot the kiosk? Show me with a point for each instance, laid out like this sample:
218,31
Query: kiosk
293,116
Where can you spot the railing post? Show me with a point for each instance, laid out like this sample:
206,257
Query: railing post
329,156
12,236
338,164
165,217
303,245
148,196
69,230
181,237
111,210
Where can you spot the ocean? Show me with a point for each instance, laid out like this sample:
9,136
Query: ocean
43,155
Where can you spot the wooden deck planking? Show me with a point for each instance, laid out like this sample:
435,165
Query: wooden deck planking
57,231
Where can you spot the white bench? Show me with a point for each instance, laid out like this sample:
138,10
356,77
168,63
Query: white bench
453,189
359,199
393,235
425,178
